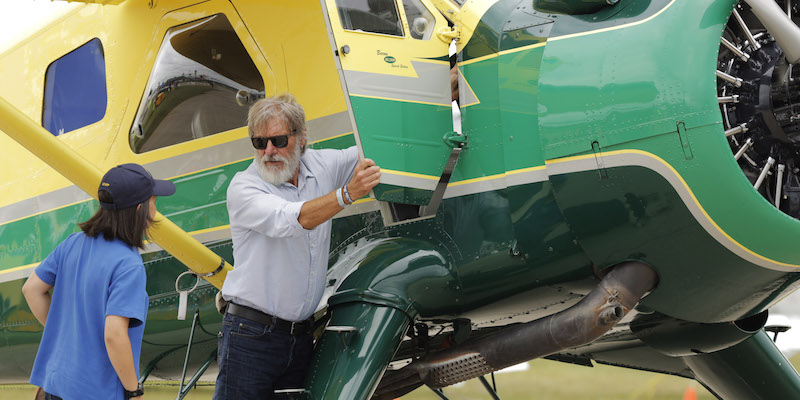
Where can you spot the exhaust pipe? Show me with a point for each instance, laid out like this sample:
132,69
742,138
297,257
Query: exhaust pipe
617,293
779,25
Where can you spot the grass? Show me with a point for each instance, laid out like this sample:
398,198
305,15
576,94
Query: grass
544,380
549,380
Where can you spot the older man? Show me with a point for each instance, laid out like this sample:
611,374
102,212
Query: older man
280,209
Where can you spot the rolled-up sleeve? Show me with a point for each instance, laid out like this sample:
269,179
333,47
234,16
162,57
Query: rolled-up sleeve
252,207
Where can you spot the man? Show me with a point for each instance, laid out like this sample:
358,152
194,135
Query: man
280,209
94,320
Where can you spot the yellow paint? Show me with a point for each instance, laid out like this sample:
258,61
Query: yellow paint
468,17
400,100
368,54
409,174
128,31
80,171
288,35
6,271
131,29
331,138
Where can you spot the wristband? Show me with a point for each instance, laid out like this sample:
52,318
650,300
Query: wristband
347,195
339,198
134,393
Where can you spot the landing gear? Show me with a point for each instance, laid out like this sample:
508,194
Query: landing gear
184,387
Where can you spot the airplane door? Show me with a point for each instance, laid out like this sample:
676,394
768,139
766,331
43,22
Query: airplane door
395,71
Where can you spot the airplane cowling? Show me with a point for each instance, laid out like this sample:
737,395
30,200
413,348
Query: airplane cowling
391,281
681,338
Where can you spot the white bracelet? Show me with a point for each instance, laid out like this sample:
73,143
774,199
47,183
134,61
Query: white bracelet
339,198
347,195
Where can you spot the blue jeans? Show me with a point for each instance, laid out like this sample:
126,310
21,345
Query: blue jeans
48,396
254,361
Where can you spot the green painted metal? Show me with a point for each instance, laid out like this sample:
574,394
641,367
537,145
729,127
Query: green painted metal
395,280
752,370
486,38
407,274
339,142
634,87
402,194
404,137
635,214
678,338
199,203
347,366
573,6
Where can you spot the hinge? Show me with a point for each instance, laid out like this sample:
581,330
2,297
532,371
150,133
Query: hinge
598,157
684,137
448,34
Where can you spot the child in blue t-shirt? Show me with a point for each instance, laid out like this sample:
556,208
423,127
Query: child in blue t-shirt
94,320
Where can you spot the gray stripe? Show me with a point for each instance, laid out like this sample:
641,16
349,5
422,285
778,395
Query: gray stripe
42,203
455,190
329,126
408,181
199,160
432,84
629,159
582,165
183,164
516,179
466,97
18,274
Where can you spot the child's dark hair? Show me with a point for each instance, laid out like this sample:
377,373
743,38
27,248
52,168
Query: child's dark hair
128,225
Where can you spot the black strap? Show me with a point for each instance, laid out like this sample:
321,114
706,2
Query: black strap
214,272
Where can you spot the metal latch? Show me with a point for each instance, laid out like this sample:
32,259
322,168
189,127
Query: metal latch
447,34
687,148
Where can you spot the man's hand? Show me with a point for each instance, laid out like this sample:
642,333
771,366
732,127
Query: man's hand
365,177
321,209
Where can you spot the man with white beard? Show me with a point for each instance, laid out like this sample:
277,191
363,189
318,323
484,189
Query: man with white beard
280,209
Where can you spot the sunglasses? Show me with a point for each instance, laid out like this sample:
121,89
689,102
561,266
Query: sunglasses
279,142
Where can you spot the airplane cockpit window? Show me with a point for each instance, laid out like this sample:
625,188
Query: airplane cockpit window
202,83
376,16
75,89
420,20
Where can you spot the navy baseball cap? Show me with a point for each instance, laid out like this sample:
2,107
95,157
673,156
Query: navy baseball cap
130,185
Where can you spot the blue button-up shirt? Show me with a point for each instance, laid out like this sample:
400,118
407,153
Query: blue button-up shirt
279,266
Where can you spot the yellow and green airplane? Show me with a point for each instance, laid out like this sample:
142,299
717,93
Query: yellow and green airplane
619,182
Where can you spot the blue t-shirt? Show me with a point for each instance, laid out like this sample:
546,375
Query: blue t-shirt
92,278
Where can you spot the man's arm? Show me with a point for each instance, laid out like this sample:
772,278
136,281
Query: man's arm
118,346
37,294
314,212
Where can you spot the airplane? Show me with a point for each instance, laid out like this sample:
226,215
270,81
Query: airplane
618,183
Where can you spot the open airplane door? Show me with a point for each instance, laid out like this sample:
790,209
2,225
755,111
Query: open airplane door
395,72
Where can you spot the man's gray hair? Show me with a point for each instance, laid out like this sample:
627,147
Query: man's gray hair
285,107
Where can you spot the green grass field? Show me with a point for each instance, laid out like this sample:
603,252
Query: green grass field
544,380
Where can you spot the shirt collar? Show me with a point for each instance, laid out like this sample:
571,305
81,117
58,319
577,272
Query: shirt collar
304,172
